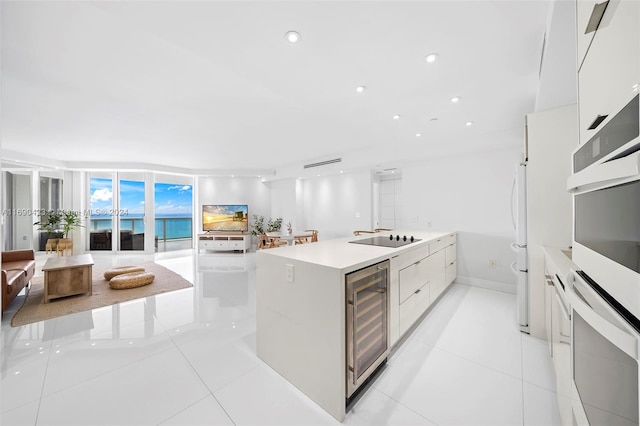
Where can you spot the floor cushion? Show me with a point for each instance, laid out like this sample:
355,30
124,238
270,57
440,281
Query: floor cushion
131,280
121,270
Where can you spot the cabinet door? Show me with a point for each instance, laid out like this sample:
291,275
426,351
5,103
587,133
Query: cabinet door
561,335
436,272
584,9
611,67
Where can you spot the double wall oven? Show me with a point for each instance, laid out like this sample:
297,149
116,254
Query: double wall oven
605,293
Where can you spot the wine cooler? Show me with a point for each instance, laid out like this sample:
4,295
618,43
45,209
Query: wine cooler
367,323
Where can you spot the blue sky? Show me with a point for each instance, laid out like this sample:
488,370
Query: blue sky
169,198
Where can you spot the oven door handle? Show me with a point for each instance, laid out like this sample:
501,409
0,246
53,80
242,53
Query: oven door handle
617,334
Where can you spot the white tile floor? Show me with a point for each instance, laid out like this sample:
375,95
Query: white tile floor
188,358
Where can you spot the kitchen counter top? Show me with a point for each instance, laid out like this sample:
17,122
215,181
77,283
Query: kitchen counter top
340,254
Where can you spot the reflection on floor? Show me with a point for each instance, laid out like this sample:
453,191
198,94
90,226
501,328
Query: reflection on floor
188,357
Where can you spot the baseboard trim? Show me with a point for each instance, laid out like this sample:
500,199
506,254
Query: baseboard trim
488,284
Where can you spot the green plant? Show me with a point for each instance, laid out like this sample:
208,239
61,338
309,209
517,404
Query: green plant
274,224
49,221
257,228
71,221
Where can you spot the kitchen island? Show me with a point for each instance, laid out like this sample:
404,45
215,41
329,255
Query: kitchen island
301,304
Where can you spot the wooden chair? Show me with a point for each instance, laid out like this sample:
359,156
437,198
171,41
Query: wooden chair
357,233
266,242
312,237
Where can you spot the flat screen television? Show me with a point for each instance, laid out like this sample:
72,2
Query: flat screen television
225,218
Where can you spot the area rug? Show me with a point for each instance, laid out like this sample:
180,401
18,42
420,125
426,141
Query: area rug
33,310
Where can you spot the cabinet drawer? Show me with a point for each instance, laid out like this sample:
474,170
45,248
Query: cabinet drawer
204,244
442,242
451,272
413,307
220,244
413,277
410,257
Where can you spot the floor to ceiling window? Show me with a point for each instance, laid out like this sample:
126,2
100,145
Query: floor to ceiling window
173,209
131,211
101,208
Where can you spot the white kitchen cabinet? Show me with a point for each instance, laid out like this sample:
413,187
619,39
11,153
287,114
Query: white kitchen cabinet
413,278
558,316
451,262
584,9
423,281
611,66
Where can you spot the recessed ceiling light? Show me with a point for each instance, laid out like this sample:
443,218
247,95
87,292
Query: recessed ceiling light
396,117
341,171
468,123
432,57
418,135
318,175
292,37
455,99
360,89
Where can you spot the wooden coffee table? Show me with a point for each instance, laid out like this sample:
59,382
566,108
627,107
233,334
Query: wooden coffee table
67,276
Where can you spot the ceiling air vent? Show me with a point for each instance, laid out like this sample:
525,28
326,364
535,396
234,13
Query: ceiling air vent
322,163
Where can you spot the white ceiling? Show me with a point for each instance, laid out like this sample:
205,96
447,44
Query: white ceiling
214,85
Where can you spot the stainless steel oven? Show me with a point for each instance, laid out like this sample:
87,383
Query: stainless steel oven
367,296
605,357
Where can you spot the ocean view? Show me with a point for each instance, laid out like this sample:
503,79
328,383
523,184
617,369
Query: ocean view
167,226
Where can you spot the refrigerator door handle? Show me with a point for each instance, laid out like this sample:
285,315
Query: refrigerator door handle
514,269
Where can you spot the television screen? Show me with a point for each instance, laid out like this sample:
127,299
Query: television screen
225,217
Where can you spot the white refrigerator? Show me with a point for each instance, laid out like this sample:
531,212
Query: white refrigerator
520,267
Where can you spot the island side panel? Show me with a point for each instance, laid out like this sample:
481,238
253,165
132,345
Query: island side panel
300,327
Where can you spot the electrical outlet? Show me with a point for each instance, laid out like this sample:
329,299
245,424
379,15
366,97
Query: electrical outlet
289,272
492,264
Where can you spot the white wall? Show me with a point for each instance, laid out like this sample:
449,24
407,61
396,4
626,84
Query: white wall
284,201
470,194
340,204
228,190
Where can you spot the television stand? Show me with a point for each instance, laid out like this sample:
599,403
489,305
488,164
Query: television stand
219,241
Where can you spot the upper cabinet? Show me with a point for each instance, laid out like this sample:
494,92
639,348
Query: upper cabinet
584,11
610,71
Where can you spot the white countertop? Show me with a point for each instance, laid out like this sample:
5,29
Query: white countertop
340,254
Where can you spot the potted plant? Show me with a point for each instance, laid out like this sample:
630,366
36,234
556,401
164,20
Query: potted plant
274,224
50,224
70,221
257,228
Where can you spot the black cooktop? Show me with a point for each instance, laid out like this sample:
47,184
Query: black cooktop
388,241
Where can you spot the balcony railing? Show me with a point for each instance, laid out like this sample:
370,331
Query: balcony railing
166,228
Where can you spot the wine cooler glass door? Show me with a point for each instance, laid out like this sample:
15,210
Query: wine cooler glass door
367,322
